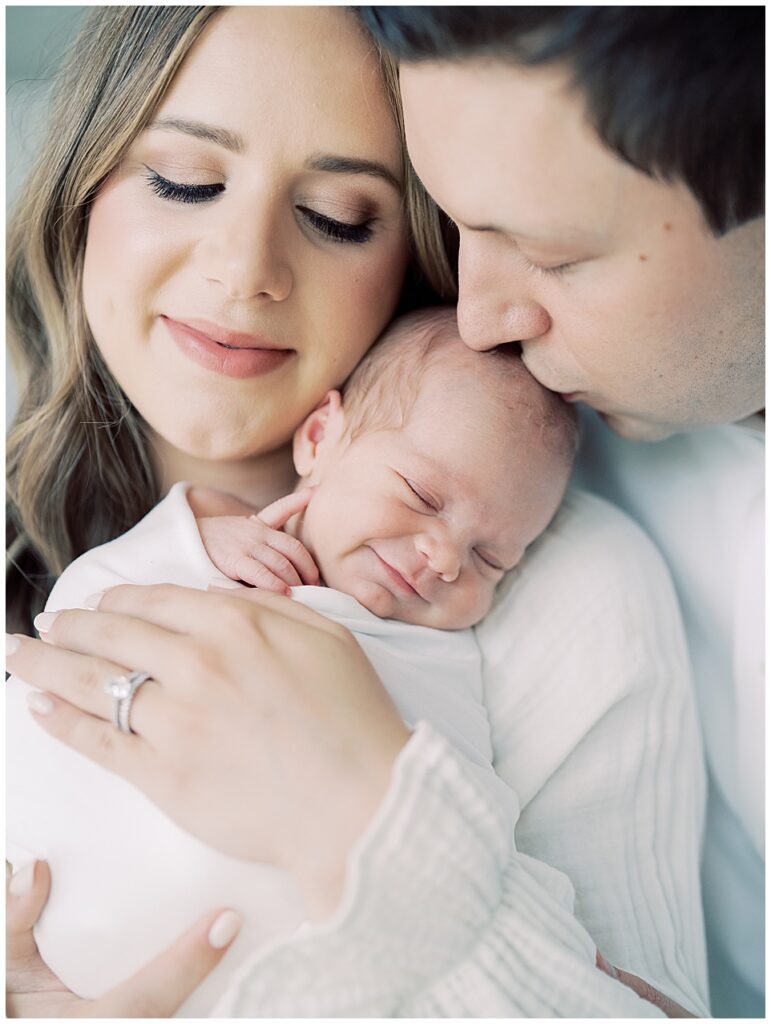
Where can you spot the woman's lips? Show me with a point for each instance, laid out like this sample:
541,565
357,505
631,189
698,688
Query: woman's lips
232,354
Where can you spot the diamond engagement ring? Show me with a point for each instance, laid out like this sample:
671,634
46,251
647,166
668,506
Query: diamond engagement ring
123,689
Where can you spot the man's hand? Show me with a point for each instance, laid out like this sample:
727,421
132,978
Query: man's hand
158,990
643,989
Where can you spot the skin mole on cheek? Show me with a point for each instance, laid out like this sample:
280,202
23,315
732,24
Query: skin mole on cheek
642,257
667,226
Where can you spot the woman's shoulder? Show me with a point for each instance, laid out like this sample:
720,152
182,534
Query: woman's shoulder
163,547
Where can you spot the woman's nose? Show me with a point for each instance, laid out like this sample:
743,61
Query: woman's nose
441,554
246,255
496,304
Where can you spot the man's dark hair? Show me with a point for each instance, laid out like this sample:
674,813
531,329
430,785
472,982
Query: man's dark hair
677,92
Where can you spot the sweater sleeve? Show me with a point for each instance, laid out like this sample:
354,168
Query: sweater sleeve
441,918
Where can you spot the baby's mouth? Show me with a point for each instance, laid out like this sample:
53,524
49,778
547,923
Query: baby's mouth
398,579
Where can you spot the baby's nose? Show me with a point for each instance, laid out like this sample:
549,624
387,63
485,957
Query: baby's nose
442,556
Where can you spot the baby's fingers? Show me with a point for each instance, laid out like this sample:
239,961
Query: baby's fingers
280,512
295,552
254,572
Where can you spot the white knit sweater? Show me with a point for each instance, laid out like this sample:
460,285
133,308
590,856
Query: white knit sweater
588,689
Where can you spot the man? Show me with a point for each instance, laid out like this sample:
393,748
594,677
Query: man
604,168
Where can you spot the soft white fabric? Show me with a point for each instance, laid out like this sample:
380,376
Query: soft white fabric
588,691
128,880
700,496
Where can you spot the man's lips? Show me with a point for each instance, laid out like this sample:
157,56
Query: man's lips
400,581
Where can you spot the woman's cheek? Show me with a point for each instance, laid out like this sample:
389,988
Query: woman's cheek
126,249
375,287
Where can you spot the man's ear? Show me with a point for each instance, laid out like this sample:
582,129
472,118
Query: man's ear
318,434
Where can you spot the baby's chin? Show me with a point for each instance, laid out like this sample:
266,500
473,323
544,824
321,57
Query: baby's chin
381,602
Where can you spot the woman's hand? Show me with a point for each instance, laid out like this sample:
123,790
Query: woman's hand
264,731
158,990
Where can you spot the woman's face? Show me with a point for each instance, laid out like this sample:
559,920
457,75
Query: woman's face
252,244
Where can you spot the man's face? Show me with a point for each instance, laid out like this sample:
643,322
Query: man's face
611,280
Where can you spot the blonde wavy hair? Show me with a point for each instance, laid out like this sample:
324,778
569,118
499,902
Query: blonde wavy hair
79,473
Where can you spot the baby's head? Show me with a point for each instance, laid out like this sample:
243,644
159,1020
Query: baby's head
435,470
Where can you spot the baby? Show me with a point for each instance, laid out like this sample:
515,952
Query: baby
420,487
432,474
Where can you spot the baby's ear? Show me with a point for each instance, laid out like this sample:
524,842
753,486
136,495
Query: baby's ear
317,434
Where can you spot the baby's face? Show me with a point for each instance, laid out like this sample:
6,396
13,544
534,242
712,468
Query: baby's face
420,523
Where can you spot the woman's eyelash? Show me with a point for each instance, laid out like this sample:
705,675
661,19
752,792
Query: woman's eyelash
178,192
337,230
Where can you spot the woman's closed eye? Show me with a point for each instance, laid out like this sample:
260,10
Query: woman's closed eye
336,230
178,192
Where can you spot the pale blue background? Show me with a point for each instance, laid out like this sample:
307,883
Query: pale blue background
35,40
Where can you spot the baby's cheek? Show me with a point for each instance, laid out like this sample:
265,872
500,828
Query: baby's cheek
468,606
484,598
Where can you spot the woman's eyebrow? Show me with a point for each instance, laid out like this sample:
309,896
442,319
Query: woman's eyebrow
234,142
352,165
224,137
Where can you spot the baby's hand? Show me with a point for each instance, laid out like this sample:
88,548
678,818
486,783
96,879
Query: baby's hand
253,548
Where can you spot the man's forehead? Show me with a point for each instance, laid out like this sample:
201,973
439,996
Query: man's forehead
486,133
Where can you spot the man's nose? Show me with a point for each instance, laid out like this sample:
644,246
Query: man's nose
496,304
245,253
441,553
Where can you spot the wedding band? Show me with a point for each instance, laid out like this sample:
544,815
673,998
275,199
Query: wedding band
123,689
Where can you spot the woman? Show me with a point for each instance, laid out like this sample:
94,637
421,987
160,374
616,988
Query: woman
79,467
232,269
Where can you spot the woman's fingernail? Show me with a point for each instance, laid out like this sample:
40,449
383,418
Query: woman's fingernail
224,929
12,644
92,602
44,621
22,881
40,703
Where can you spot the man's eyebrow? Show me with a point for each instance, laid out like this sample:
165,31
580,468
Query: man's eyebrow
352,165
567,232
224,137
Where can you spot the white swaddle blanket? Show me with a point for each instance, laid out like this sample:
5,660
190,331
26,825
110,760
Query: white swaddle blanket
127,880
